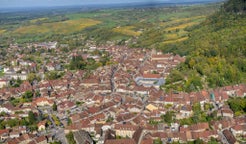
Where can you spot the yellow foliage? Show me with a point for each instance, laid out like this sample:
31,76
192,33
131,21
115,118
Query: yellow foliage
171,36
176,40
2,31
182,26
127,30
188,19
64,27
39,19
181,20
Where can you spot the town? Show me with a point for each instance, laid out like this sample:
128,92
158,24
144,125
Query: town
108,94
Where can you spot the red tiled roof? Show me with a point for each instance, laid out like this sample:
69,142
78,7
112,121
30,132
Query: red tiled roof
151,76
4,131
120,141
125,127
40,139
239,127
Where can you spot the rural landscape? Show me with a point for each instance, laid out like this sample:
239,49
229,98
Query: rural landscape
127,73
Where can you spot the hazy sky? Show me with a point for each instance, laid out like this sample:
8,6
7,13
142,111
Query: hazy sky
41,3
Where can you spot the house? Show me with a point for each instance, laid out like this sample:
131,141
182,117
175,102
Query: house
185,112
21,129
50,67
3,83
7,108
120,141
134,109
47,45
4,134
41,125
14,134
21,76
125,130
66,105
42,101
226,112
151,107
40,140
239,130
199,127
148,80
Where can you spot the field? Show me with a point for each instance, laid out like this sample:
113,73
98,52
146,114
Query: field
182,26
175,40
38,19
140,27
127,30
2,31
65,27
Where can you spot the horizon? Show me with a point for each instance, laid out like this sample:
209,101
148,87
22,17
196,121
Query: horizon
65,3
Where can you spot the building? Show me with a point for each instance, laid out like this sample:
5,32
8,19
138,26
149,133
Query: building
82,137
125,130
229,137
149,80
41,125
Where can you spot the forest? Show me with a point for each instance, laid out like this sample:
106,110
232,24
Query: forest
215,51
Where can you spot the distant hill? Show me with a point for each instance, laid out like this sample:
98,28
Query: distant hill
216,51
235,6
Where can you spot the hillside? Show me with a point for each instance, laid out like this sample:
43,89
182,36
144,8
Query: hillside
216,51
130,26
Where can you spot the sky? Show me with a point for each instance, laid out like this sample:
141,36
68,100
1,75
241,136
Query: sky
45,3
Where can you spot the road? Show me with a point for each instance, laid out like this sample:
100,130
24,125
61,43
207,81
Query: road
223,138
57,132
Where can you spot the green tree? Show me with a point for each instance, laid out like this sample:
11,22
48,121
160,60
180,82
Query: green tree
27,95
32,76
157,141
70,138
69,121
168,117
52,75
31,117
55,142
54,107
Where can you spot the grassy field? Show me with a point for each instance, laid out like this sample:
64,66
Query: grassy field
64,27
182,26
38,19
2,31
127,30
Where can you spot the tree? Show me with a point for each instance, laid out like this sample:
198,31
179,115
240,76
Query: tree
157,141
238,105
198,141
168,117
212,141
53,75
15,82
70,138
54,107
77,62
27,95
32,76
69,121
31,117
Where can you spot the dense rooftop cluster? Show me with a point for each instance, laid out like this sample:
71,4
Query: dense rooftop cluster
121,102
